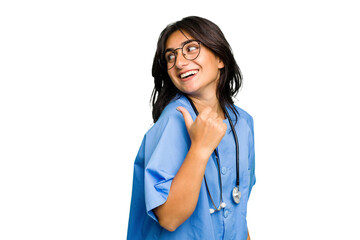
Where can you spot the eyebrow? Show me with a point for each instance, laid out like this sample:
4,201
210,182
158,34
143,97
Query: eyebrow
182,44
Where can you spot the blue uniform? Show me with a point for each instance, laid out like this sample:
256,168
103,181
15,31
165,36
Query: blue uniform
163,150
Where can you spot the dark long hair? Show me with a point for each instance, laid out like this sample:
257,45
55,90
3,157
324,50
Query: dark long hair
212,37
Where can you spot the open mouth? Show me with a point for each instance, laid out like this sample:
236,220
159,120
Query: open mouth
188,74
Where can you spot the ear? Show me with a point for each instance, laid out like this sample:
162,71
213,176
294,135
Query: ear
220,63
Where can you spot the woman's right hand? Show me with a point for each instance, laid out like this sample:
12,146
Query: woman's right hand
206,131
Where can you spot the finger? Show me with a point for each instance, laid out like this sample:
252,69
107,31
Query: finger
187,117
221,125
224,126
206,111
213,115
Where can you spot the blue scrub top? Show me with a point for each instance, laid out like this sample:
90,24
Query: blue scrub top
163,150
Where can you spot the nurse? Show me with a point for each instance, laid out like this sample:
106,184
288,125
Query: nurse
195,167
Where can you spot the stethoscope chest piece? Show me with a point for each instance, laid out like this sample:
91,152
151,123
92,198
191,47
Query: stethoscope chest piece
236,194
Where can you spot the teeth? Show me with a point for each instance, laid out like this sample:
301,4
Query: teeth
184,75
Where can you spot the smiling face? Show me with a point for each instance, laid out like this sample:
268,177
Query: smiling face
198,77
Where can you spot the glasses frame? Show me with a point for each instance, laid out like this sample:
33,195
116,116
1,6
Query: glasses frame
182,52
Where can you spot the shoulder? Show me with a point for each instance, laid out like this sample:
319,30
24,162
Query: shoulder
168,137
170,118
178,101
171,114
244,116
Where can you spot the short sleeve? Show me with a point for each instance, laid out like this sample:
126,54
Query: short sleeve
166,146
251,155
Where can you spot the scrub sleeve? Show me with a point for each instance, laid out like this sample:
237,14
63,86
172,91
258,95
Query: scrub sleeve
166,147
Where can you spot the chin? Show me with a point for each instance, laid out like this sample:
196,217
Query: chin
187,89
191,92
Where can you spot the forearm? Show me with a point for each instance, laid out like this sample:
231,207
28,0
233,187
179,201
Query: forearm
184,191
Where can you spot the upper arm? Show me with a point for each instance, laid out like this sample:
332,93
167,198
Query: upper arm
165,149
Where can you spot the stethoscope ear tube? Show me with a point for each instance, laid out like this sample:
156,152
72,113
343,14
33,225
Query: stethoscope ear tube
237,149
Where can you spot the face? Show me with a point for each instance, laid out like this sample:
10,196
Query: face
198,77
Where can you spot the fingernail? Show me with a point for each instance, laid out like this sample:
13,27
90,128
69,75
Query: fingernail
178,109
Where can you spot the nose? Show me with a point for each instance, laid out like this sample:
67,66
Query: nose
180,61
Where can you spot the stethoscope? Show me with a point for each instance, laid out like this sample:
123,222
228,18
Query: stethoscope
236,194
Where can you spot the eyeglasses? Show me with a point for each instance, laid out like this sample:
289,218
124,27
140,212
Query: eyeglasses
190,50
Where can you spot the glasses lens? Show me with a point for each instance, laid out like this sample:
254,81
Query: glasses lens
170,57
191,50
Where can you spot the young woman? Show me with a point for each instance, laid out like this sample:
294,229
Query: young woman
195,168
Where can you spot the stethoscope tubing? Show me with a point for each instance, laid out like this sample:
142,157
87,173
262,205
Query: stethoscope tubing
217,158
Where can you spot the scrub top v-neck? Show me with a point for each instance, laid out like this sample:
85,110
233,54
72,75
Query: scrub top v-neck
163,150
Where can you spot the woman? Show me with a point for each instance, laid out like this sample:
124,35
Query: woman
195,168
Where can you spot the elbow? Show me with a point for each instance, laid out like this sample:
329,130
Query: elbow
169,228
168,224
169,220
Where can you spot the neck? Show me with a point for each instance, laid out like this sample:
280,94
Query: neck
212,101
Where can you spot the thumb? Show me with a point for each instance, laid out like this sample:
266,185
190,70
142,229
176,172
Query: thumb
187,117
